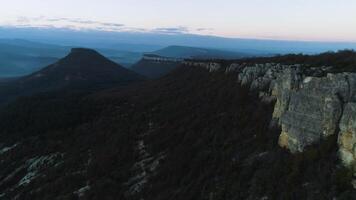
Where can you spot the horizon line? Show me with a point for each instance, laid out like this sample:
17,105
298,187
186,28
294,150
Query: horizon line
152,31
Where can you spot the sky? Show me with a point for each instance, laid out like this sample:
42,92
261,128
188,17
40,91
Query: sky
309,20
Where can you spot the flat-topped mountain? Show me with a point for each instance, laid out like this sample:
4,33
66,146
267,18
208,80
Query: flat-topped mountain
81,68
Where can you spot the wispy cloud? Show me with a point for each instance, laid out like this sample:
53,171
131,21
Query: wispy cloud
171,30
204,29
85,24
62,22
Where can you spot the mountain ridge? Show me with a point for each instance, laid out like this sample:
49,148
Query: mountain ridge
176,51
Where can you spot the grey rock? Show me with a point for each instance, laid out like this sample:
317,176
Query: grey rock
347,136
310,110
210,66
234,68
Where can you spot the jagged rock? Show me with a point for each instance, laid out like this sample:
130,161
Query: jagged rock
261,84
252,73
154,66
263,77
286,82
212,67
352,86
157,58
234,68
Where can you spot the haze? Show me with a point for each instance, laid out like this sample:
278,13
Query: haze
312,20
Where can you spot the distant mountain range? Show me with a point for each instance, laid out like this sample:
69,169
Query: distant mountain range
199,53
148,42
20,57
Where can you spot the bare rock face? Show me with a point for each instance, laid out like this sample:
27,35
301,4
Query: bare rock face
309,102
310,110
287,81
210,66
259,76
234,68
347,136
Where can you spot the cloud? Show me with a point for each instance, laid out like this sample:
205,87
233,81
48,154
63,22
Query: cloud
23,20
204,29
171,30
74,23
180,30
85,24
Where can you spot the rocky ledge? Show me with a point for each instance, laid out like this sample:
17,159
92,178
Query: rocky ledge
311,104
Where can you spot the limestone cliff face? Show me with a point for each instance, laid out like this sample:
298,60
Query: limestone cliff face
310,103
153,66
309,108
311,111
156,58
210,66
347,136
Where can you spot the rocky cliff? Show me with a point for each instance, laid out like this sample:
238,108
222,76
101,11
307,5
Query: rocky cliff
153,66
311,103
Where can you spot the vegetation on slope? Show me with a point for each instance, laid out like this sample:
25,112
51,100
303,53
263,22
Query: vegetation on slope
213,133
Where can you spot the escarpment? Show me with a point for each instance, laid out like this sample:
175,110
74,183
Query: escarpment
154,66
311,103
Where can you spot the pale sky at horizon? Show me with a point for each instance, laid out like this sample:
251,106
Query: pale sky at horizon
316,20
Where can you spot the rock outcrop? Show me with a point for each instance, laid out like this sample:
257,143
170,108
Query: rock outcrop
347,136
153,66
310,110
210,66
157,58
